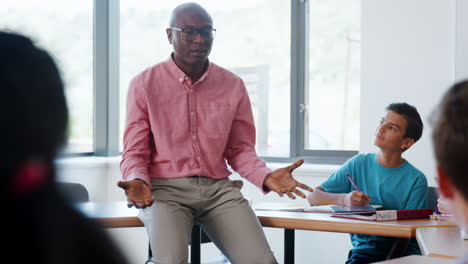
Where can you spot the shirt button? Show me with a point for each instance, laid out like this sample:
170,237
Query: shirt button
199,158
194,137
186,78
192,113
181,80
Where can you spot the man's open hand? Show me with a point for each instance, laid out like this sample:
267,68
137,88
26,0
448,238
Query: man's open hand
282,182
138,193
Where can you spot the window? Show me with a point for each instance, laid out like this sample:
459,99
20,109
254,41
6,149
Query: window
300,61
256,47
331,108
65,29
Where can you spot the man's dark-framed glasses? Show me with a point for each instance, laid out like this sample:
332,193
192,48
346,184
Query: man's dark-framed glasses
191,33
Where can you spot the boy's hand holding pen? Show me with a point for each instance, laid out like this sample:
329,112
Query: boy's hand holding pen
355,198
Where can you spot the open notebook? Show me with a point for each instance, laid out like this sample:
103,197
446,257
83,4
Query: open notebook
314,209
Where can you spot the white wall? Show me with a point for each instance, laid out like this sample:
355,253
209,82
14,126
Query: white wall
92,172
461,41
408,54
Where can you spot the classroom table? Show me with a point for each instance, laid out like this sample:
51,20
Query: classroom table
117,215
291,221
443,242
111,214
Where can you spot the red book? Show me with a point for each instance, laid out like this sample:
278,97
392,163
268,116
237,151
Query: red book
388,215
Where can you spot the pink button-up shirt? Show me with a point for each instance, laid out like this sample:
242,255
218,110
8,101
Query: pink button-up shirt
178,129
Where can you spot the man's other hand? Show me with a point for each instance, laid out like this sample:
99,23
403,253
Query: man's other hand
282,182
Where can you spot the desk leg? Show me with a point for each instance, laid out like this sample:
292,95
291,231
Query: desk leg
195,257
288,246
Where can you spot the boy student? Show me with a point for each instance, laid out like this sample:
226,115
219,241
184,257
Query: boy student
383,178
451,152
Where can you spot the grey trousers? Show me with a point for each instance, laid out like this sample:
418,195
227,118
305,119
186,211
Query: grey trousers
217,206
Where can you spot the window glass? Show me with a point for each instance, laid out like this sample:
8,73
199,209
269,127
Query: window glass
252,40
332,98
65,30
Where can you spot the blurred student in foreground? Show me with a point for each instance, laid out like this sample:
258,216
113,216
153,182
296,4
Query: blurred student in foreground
42,226
451,152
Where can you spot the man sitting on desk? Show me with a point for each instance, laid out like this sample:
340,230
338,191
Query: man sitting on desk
383,178
186,117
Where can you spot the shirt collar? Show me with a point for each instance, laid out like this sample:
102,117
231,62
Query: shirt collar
180,75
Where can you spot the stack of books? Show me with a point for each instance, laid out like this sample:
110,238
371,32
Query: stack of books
388,215
364,212
315,209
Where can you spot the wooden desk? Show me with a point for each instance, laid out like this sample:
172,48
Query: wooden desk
291,221
325,222
443,242
117,214
111,214
417,260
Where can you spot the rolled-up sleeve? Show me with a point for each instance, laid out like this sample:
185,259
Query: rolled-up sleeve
136,140
240,149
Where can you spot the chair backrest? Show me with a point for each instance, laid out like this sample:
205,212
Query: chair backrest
432,196
75,192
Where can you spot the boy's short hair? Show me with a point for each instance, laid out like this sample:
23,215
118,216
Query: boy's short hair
410,113
449,136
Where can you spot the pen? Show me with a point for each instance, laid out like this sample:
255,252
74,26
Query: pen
352,182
